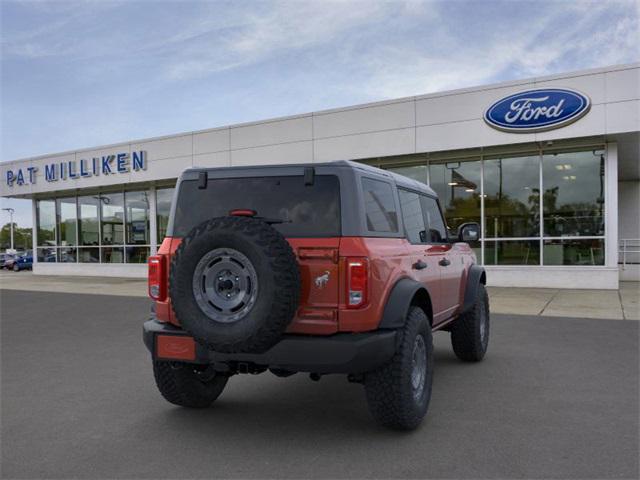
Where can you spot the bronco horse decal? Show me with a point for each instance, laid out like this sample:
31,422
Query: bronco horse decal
322,280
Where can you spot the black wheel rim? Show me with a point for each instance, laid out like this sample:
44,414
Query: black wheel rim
225,285
418,367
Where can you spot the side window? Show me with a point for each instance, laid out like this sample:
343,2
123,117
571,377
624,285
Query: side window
379,205
433,219
414,220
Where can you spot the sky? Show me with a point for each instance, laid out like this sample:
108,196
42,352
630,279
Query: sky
87,73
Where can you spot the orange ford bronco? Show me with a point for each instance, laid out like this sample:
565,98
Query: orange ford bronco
324,268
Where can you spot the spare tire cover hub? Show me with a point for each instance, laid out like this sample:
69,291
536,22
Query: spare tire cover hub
225,285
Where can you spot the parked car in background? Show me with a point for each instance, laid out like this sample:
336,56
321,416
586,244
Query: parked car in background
23,262
7,261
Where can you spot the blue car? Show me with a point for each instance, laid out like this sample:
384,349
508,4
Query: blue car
24,262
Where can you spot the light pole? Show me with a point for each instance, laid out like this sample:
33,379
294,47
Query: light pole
11,211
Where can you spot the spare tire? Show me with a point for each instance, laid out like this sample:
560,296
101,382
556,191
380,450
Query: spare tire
234,284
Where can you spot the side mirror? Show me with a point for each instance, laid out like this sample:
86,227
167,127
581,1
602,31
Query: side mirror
468,232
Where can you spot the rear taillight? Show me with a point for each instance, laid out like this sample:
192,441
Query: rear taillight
357,281
157,278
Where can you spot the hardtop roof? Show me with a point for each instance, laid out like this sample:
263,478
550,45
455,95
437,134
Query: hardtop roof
400,180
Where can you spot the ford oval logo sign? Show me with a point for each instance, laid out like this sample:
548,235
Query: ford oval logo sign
537,110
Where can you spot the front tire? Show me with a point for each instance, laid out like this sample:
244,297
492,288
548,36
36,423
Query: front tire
470,332
16,268
187,385
398,394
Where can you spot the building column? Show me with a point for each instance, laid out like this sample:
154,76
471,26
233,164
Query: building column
153,220
611,205
34,230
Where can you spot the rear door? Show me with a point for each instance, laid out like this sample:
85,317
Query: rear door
441,249
423,257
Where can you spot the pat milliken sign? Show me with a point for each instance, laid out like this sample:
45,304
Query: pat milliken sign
537,110
105,165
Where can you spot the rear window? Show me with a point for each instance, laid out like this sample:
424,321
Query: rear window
380,207
307,210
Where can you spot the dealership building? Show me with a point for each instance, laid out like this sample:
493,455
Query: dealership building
549,166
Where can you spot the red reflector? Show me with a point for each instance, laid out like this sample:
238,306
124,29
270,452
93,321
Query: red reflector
175,347
243,213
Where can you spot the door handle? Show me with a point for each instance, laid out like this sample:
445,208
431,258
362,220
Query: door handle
419,265
444,262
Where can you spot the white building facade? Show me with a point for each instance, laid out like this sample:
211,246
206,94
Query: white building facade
550,168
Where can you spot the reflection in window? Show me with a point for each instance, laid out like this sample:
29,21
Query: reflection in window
67,212
46,218
137,254
512,197
112,255
67,255
512,252
573,198
163,209
379,205
46,255
88,220
458,187
412,216
89,255
137,217
433,218
416,172
112,218
574,252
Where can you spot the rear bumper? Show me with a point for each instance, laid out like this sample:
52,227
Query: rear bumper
339,353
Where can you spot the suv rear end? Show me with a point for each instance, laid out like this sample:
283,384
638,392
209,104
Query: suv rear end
334,270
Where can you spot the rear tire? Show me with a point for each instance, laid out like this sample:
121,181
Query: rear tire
16,268
398,394
470,332
185,385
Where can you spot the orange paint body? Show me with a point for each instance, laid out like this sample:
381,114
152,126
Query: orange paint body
323,301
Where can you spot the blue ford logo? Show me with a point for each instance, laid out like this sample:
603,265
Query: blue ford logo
537,110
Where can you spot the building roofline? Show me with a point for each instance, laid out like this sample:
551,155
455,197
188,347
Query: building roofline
445,93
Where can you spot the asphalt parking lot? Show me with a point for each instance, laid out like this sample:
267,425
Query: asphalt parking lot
555,397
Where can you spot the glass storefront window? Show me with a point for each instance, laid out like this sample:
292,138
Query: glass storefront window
112,255
574,252
458,187
137,218
67,221
89,255
512,197
137,254
67,255
46,218
46,255
88,226
417,172
512,252
163,209
112,218
573,198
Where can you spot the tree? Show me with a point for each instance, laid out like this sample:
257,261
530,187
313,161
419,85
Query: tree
21,237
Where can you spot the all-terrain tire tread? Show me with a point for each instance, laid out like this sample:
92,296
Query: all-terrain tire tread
181,386
465,337
390,404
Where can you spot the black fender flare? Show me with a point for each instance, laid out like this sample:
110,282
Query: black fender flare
476,276
400,299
